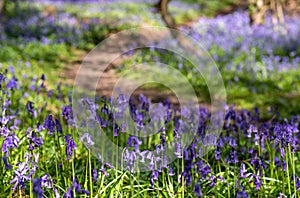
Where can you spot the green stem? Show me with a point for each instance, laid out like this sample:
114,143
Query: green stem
131,185
288,174
90,175
228,189
182,178
292,159
73,173
30,187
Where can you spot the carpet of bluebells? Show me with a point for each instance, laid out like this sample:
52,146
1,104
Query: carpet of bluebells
261,59
44,155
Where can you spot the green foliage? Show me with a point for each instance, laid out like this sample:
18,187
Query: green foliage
249,87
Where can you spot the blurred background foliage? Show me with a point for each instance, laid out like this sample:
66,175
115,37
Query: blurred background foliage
259,62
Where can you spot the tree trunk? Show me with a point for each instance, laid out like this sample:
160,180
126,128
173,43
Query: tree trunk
165,15
277,11
2,2
168,19
292,7
2,14
257,11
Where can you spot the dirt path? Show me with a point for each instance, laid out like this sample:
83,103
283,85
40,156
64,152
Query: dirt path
99,63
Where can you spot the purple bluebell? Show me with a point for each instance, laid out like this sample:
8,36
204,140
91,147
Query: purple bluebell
95,175
218,153
171,173
11,141
35,141
116,130
49,124
243,171
256,181
232,142
258,163
12,83
198,190
37,187
56,194
234,156
241,191
4,131
178,150
86,138
68,114
69,193
297,183
47,181
58,126
75,186
71,146
78,188
2,77
20,175
43,77
50,93
133,141
283,165
16,124
30,108
7,165
103,170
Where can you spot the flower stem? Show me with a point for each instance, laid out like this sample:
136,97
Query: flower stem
90,175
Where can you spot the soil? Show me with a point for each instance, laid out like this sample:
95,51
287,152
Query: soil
95,65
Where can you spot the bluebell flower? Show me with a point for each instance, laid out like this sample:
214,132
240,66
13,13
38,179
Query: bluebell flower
68,114
297,183
7,165
20,175
46,181
49,124
256,180
2,77
71,146
95,175
232,142
241,192
178,150
243,171
104,109
12,83
50,93
69,193
103,170
78,188
171,173
258,163
37,187
234,156
133,141
4,131
11,141
116,130
58,126
218,153
35,141
43,77
86,138
198,190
